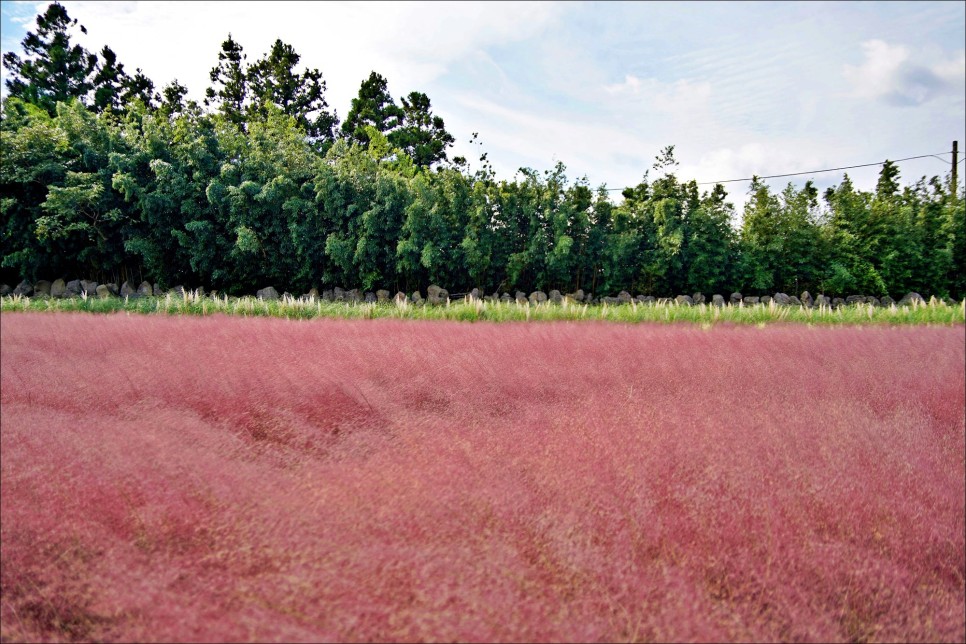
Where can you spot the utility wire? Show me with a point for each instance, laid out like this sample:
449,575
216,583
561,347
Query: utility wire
848,167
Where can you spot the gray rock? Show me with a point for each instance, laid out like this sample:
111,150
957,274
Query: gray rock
5,290
116,290
765,299
611,301
537,297
506,298
382,295
126,289
416,297
90,287
837,302
807,299
855,299
42,287
312,295
24,288
909,298
338,294
717,300
624,297
268,293
174,291
73,288
436,294
328,295
370,297
475,294
751,299
736,297
103,292
684,300
400,298
887,301
873,300
823,300
782,299
556,297
156,286
698,298
647,299
146,289
794,300
579,295
353,295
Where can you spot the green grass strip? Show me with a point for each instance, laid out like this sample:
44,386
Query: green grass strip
935,312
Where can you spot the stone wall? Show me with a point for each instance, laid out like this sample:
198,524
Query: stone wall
436,295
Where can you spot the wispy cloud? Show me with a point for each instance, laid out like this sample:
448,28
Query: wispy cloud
664,97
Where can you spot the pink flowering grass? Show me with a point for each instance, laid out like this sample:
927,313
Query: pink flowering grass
216,479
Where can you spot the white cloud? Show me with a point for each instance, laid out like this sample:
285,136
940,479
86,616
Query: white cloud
892,74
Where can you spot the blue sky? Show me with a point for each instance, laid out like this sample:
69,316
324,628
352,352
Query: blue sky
738,88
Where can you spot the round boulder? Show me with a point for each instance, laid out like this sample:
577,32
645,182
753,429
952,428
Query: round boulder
436,294
911,298
42,287
268,293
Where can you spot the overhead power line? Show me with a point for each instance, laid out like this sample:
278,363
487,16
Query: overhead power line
848,167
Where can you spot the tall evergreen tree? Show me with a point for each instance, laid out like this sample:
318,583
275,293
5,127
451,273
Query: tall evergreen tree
422,135
229,90
55,70
374,107
114,88
274,79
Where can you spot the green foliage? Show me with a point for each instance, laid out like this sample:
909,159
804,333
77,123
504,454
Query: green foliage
102,178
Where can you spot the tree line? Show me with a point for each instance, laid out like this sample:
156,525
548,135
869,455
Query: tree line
261,183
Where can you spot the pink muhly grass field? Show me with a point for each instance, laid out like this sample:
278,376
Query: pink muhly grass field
213,479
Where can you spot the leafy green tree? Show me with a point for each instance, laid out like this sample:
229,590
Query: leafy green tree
163,174
956,225
712,244
83,217
35,156
432,240
761,239
54,70
373,107
853,236
936,238
261,196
